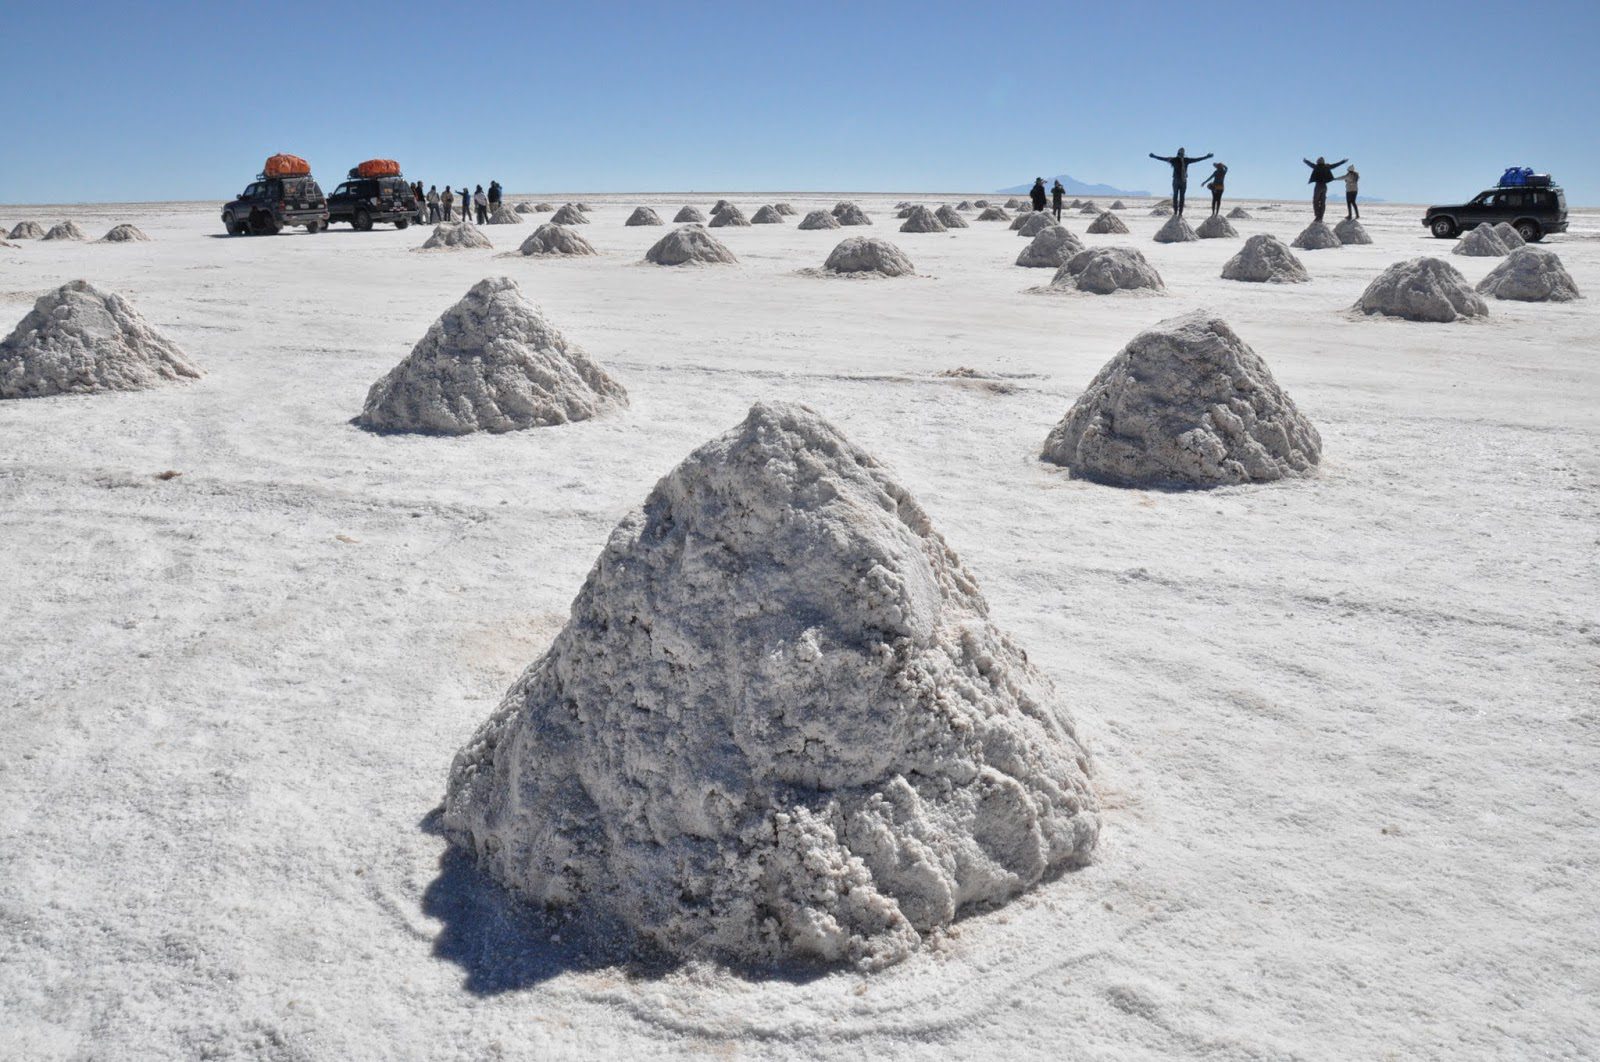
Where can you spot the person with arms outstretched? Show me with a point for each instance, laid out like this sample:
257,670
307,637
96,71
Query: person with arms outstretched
1057,193
1180,164
1321,177
1219,174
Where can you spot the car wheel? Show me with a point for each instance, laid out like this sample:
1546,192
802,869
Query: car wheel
1529,231
233,227
401,223
363,221
1444,228
314,226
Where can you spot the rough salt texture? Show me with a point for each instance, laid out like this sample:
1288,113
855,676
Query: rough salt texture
905,212
585,207
949,218
921,219
994,213
819,219
1216,227
1239,214
525,208
505,216
1530,274
66,230
690,245
1052,248
642,216
729,216
1176,230
26,230
720,205
543,208
125,233
1107,223
1016,204
568,215
1161,210
1316,237
1090,204
1119,205
843,205
766,216
980,203
1350,231
963,205
462,237
866,254
1089,209
1105,270
80,340
785,209
689,214
779,725
1033,224
851,215
1185,404
552,240
1481,242
1509,235
490,363
1265,260
1422,289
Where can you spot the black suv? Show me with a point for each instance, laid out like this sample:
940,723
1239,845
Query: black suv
1532,210
271,203
364,200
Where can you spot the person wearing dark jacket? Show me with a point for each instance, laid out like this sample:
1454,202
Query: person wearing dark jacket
1219,174
494,196
466,204
1180,164
1321,177
1037,193
1057,193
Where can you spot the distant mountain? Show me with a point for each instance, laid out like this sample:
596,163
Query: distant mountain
1073,187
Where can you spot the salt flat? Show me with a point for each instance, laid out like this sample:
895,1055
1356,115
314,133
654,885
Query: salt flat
1346,728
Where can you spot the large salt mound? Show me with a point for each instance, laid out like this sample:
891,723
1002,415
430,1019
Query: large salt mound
1239,214
66,230
851,215
26,230
1265,260
1530,274
1107,223
525,208
689,214
1216,227
505,216
785,209
568,215
1482,242
1052,248
767,216
689,245
865,254
1316,237
1033,224
1509,235
551,240
1104,270
779,724
642,216
1176,230
729,216
1422,289
1185,404
819,219
1161,210
921,219
994,213
1351,233
124,233
490,363
81,340
950,219
460,237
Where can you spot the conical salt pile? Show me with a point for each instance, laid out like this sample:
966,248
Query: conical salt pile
729,216
1351,233
690,245
766,216
994,213
1107,223
1052,248
552,241
921,219
1481,242
950,219
867,255
850,214
1530,274
1016,204
1176,230
543,208
504,215
963,205
1119,205
687,215
462,237
66,230
785,209
1216,227
842,206
1265,260
1316,237
568,215
525,208
81,340
1089,208
26,230
642,216
779,724
1185,404
1161,210
1030,225
124,233
1422,289
490,363
1509,235
1107,270
819,219
1239,214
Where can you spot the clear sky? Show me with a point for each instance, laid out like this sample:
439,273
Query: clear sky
121,101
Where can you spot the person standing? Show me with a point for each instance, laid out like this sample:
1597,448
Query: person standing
1219,174
1037,194
480,203
466,205
1352,185
494,196
422,203
1057,193
1321,177
1180,164
448,202
434,217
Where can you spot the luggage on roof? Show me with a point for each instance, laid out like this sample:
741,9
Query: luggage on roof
286,166
377,168
1523,177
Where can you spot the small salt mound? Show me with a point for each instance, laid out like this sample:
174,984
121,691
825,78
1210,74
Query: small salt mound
1105,270
524,208
690,245
66,230
1186,404
1161,210
1316,237
963,205
1018,221
642,216
1052,248
819,219
1509,235
980,203
505,216
902,205
1351,233
851,215
866,254
26,230
460,237
767,216
720,206
1030,225
994,214
689,214
490,363
551,240
1106,223
81,340
903,213
1016,204
125,233
585,207
1482,242
921,219
1239,214
543,208
950,218
1176,230
1265,260
569,215
1216,227
785,209
843,206
1422,289
729,216
779,726
1119,205
1530,274
1089,206
1075,204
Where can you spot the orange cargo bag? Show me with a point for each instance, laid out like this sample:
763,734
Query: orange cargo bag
287,166
378,168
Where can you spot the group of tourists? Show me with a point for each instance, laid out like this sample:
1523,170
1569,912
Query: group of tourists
434,206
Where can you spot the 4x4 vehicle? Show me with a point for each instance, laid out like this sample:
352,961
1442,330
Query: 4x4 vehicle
1532,209
271,203
364,200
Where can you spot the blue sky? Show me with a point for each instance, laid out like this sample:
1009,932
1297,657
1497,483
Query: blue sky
117,101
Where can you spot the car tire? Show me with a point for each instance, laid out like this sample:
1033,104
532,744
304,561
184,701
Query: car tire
314,227
401,223
362,222
1444,228
1529,230
234,228
262,224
